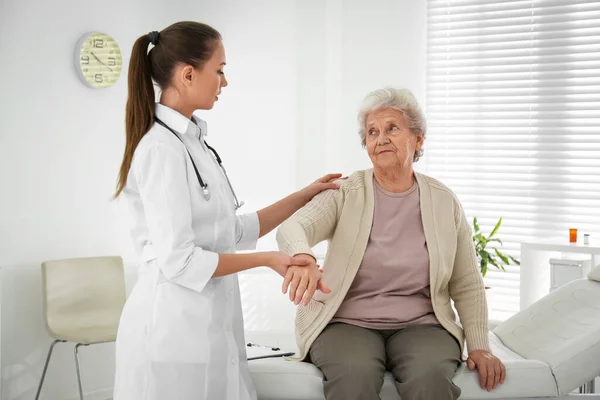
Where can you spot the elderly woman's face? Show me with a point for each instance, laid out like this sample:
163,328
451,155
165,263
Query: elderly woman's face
390,142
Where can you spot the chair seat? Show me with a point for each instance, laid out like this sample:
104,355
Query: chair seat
86,335
279,379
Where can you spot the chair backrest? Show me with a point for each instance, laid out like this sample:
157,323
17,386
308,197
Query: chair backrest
561,329
83,298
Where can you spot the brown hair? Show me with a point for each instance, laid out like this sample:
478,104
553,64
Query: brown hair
185,42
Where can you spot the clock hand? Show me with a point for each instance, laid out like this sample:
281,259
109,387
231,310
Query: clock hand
92,53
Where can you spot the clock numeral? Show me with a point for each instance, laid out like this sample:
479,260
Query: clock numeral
98,78
112,61
85,60
98,43
85,70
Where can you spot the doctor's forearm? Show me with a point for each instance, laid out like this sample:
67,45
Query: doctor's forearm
272,216
233,263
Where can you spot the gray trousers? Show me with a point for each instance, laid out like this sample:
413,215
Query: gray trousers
422,358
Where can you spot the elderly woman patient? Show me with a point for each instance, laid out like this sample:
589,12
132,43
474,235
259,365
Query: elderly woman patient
400,248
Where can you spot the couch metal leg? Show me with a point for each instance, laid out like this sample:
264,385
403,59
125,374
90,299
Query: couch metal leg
77,369
37,395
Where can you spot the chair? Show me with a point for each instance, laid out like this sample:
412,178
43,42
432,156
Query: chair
83,300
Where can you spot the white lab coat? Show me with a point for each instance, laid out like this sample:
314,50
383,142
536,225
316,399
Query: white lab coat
181,332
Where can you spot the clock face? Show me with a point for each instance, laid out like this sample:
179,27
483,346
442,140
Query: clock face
98,60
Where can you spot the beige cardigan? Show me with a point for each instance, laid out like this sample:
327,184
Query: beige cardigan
344,218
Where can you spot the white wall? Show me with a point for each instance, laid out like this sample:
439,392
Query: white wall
297,70
347,48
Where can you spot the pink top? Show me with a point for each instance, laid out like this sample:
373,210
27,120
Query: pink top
391,287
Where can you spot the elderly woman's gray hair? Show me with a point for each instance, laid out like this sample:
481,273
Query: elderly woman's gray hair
398,99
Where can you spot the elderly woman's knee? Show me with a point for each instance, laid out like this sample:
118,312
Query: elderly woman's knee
352,381
355,371
431,383
436,374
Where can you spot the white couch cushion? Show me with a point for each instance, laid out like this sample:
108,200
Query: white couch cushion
520,374
562,330
278,379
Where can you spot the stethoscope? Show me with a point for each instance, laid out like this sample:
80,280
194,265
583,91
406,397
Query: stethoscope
204,185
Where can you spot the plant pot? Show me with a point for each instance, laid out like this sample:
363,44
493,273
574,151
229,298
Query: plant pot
489,297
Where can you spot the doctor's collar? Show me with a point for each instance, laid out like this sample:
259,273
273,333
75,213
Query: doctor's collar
201,124
180,123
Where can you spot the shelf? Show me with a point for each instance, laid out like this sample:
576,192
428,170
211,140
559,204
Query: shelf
563,245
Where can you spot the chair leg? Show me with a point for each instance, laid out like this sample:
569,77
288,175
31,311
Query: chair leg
77,369
37,396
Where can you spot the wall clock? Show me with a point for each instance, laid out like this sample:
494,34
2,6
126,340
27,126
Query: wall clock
98,60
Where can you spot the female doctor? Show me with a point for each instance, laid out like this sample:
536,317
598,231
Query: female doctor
181,332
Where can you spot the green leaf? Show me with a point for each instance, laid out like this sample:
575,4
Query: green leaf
502,256
486,256
495,240
515,260
495,230
481,256
495,263
480,240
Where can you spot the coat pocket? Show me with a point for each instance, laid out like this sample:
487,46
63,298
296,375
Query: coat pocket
179,331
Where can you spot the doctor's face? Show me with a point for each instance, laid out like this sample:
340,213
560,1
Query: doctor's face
209,80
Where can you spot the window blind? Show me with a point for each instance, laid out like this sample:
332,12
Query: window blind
513,107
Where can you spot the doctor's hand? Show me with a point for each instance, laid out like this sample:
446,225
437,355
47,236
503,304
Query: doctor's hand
303,281
490,368
279,262
324,183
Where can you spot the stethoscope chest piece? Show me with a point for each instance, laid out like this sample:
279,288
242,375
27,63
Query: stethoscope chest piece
206,192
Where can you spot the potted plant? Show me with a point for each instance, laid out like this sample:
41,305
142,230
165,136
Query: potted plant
488,255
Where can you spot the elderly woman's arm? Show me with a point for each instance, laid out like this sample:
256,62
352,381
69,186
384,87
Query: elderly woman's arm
312,224
466,287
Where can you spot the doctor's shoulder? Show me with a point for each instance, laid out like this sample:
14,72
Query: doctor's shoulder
157,142
159,135
157,138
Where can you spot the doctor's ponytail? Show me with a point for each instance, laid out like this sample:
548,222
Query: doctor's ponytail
139,111
185,42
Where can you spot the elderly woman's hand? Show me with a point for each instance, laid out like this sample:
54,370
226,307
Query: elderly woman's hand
303,281
491,370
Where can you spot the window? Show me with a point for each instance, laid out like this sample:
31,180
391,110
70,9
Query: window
513,105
